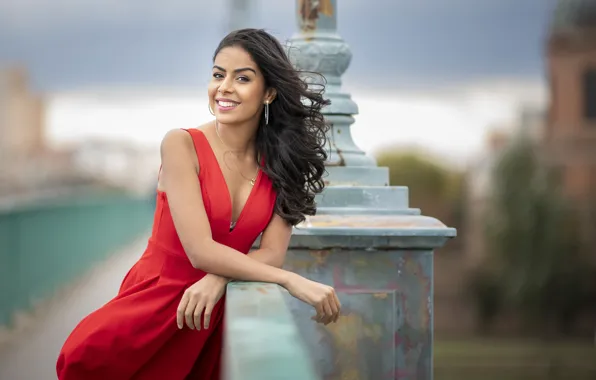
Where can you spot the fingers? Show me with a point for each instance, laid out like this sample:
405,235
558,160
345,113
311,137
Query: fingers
320,312
336,305
197,314
328,308
190,311
329,315
333,307
181,309
207,316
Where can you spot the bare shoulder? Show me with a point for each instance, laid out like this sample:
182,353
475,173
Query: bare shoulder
178,144
177,151
176,140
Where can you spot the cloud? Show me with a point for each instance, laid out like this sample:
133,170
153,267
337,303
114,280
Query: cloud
69,43
31,16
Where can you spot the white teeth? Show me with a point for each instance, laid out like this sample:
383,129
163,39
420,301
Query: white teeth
226,104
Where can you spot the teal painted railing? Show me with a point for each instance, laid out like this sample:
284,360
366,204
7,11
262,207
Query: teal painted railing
46,244
262,340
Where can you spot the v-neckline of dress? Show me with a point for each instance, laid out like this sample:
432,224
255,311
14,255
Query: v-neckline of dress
230,212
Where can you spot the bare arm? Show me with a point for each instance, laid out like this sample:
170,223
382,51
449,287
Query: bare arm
274,243
179,181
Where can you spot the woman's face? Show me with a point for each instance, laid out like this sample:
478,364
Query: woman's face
237,90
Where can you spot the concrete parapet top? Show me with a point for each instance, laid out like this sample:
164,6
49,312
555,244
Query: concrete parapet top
371,232
384,225
262,340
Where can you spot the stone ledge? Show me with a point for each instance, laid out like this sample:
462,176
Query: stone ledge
371,232
262,341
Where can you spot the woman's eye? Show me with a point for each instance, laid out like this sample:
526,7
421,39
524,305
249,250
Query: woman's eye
243,79
217,75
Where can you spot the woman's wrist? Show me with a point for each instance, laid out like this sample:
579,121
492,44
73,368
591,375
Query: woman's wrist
223,279
285,277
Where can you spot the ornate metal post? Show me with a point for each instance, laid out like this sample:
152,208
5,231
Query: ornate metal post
317,47
365,240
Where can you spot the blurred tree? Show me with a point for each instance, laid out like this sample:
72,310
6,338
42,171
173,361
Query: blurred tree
423,176
533,243
434,188
485,291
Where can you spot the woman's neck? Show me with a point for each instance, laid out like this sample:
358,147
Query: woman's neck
237,137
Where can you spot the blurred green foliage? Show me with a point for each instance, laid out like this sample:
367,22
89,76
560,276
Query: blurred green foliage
535,264
436,189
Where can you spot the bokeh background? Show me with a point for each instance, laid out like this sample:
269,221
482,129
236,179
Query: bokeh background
485,109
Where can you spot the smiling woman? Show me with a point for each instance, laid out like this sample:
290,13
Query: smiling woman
252,171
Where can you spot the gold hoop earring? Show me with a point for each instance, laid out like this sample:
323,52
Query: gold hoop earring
210,110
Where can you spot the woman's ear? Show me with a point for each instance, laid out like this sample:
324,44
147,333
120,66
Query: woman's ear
270,95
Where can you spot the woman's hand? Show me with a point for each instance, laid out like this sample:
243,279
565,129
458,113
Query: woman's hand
321,297
203,294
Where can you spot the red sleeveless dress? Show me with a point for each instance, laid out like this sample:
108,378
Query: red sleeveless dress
134,336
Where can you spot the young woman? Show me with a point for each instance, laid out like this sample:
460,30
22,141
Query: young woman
254,169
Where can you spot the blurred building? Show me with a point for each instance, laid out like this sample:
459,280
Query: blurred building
570,139
120,164
571,68
28,165
21,123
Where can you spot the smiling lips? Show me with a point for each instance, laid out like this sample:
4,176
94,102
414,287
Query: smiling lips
226,104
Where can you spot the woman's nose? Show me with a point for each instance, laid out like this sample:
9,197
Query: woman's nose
226,86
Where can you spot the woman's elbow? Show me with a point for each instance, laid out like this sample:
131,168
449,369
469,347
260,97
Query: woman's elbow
278,262
198,258
197,263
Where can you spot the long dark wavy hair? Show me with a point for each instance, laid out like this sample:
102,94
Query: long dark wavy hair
293,143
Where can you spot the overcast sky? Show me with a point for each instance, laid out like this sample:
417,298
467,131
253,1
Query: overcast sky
73,44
